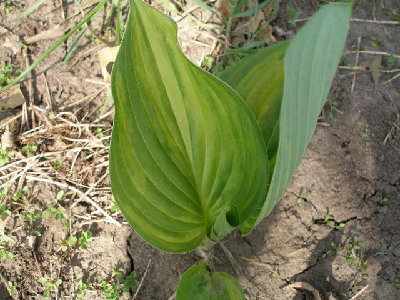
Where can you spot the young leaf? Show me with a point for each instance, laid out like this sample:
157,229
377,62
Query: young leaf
310,65
259,80
187,157
200,283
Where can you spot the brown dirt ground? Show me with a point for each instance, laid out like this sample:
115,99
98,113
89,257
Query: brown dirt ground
351,165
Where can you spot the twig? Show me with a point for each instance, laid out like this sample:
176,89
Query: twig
85,197
353,83
177,19
232,260
360,292
375,53
362,68
391,79
263,265
141,281
10,119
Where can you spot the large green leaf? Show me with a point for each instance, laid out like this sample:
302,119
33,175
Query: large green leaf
202,284
259,80
187,157
311,61
309,66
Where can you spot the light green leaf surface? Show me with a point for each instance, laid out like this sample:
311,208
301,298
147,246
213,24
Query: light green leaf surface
311,61
187,157
201,284
308,67
259,80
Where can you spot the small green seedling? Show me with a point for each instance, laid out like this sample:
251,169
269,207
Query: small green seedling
7,71
120,284
335,249
114,206
5,157
377,43
390,61
3,193
56,210
29,217
364,129
328,220
354,257
4,212
5,248
29,149
49,286
5,254
11,288
383,201
397,283
332,106
293,14
81,289
69,242
57,164
8,5
21,196
85,239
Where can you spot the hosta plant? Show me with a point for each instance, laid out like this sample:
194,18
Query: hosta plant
193,157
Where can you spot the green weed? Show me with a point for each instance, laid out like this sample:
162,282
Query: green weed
56,210
120,284
397,283
5,246
3,193
21,196
364,129
354,258
85,239
293,14
49,286
5,157
7,71
80,289
335,249
11,288
57,164
29,149
383,201
328,220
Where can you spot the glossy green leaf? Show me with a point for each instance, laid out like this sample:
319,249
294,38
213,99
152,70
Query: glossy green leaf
187,157
199,283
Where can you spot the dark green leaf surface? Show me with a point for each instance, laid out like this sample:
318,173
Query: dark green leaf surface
187,157
198,283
